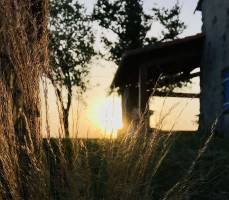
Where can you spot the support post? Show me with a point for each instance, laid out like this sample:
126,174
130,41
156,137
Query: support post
143,97
129,105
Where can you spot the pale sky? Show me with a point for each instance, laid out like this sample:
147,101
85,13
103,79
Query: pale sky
98,111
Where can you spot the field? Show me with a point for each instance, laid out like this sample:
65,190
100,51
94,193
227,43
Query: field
181,166
143,165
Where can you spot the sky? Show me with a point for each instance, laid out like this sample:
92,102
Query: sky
92,116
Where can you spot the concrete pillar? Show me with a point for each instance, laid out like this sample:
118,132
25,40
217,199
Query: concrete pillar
215,59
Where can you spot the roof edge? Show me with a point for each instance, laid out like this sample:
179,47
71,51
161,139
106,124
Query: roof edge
143,50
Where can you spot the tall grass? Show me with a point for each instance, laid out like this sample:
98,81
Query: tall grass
120,168
123,168
140,166
23,58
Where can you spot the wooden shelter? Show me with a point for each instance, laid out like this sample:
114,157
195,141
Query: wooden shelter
143,70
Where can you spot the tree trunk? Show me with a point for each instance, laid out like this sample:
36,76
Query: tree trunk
65,110
66,122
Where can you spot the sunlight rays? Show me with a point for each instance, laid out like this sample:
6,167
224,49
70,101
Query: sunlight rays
105,114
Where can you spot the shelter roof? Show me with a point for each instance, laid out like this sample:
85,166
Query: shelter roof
180,55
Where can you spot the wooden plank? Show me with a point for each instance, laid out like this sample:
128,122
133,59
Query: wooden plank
171,59
142,90
181,78
143,96
174,62
129,104
176,94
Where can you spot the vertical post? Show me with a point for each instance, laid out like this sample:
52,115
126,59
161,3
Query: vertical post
129,104
124,108
143,96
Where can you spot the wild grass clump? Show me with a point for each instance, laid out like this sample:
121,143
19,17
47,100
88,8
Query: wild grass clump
132,162
140,166
120,168
144,165
23,58
206,174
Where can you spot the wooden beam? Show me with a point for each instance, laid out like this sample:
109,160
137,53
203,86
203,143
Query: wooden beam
129,104
174,62
173,57
180,78
142,90
176,94
143,96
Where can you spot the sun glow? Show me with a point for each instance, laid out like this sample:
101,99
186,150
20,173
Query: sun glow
105,115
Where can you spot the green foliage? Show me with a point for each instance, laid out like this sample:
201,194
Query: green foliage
71,43
171,22
71,50
127,20
131,25
172,27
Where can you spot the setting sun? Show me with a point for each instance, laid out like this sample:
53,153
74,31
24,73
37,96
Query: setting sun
105,114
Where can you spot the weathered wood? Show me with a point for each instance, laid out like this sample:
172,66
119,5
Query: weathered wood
129,105
143,96
180,60
142,92
176,94
173,60
171,57
181,78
